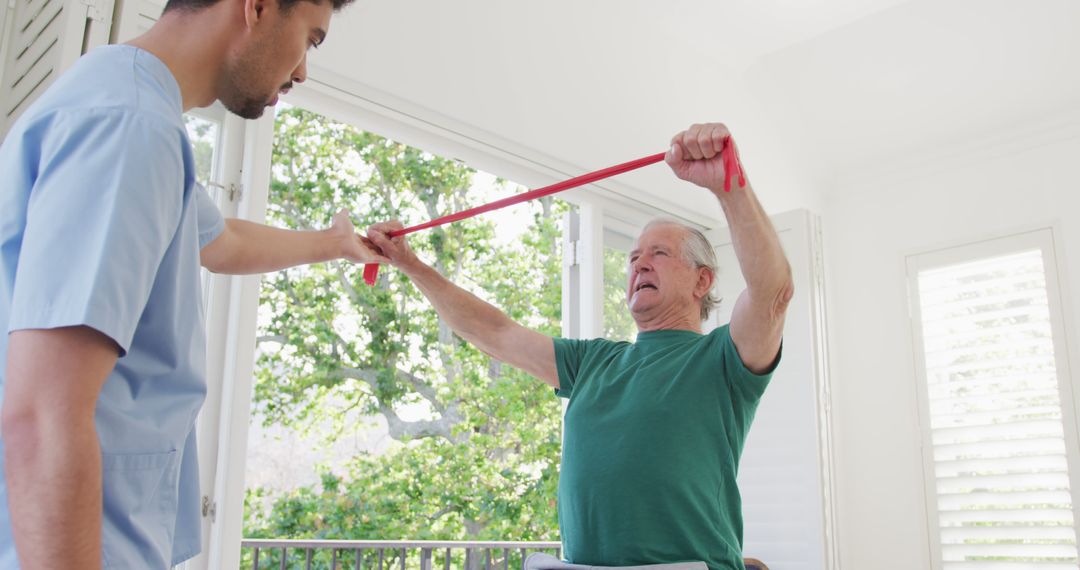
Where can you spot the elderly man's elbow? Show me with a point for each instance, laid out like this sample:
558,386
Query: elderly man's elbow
785,291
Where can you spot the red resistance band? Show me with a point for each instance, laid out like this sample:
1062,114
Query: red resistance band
731,168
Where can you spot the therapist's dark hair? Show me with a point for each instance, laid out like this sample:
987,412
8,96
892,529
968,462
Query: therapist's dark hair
285,5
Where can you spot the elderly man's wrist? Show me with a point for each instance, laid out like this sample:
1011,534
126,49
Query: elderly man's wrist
410,266
736,189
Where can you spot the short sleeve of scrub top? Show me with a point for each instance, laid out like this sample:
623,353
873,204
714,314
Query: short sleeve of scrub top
104,181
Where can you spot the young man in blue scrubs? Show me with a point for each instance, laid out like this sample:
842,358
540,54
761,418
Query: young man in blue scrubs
102,234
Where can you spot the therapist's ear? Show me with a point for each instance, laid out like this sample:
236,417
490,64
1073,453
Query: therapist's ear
254,10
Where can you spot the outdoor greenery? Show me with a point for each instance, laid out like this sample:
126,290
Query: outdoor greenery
480,460
618,322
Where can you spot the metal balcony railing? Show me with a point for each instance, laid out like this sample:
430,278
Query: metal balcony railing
259,554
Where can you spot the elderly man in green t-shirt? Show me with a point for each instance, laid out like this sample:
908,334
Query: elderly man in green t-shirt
654,428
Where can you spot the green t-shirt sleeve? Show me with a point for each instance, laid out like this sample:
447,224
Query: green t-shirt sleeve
747,386
569,356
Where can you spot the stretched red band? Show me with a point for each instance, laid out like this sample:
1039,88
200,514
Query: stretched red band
731,168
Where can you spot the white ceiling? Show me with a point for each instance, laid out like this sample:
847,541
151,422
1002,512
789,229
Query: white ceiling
926,73
811,88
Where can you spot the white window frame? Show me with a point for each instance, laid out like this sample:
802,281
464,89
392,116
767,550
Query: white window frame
1042,238
218,300
583,272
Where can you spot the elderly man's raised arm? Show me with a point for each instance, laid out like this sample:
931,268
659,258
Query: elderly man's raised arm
757,320
478,322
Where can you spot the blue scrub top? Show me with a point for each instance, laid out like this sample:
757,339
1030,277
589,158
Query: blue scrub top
101,223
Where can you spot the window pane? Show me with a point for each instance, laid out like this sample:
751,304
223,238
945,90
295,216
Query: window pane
999,449
371,420
204,139
618,323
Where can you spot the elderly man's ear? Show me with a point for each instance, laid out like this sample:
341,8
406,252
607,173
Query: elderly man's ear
705,282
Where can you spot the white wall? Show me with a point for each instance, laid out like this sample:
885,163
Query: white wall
1016,182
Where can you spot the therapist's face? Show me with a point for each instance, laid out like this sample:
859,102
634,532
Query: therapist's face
273,54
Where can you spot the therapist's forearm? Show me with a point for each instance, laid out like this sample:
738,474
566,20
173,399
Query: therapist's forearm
52,459
246,248
54,494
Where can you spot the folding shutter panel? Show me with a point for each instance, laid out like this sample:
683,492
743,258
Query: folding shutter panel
133,17
46,37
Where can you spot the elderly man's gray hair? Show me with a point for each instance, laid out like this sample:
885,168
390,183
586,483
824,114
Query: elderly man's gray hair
697,251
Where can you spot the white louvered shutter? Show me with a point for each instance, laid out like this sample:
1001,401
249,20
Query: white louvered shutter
996,414
4,9
134,17
45,38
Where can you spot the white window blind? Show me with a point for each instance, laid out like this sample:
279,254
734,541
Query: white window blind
44,38
135,17
995,416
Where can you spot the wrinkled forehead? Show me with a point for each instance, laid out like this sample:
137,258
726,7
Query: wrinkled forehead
669,236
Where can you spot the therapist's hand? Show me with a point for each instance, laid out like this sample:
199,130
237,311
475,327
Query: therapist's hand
351,245
244,247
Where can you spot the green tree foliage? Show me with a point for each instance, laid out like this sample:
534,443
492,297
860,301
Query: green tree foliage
618,322
203,136
482,463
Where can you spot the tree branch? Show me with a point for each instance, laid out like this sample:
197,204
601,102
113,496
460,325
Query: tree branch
399,428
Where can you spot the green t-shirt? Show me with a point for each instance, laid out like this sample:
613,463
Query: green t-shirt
653,434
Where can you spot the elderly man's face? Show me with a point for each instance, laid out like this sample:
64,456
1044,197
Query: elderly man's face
661,282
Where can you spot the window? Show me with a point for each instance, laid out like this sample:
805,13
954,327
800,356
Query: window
618,322
204,134
369,418
209,132
996,405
